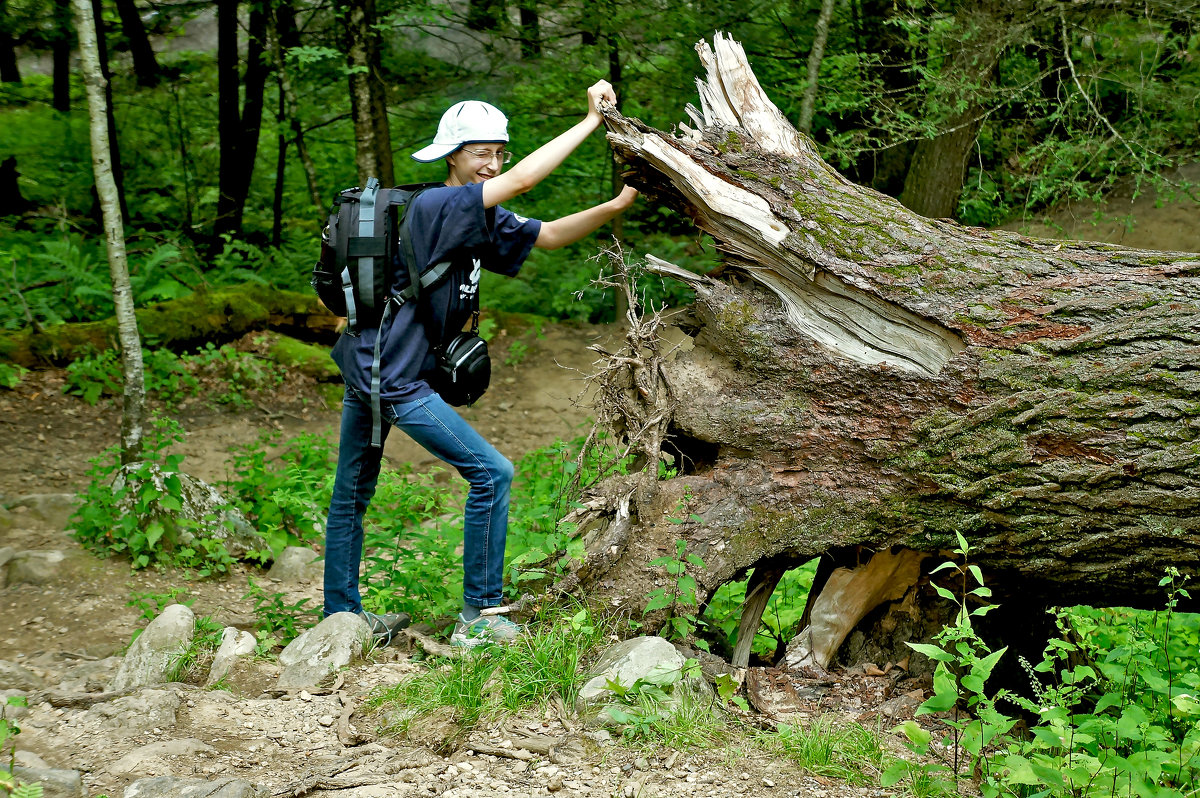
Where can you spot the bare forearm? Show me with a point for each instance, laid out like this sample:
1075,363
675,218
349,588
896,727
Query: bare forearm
569,229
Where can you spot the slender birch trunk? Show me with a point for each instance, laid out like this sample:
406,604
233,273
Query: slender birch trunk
133,407
815,56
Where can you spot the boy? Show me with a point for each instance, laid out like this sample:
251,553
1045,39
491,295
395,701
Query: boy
463,223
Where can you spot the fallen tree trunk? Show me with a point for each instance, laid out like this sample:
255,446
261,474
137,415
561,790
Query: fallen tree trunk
863,379
219,315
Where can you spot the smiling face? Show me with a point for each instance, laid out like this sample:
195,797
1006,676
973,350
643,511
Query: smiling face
475,163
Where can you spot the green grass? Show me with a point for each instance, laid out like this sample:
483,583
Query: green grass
540,666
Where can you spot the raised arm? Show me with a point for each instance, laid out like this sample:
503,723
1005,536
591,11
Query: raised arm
534,168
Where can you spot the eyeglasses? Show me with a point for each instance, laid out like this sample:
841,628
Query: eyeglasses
485,155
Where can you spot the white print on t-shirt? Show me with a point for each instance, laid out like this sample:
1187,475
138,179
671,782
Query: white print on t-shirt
469,289
520,219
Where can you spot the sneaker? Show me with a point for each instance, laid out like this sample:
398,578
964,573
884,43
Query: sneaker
484,629
385,626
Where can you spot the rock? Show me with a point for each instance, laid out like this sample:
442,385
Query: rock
28,759
55,509
16,677
34,567
320,651
297,564
234,644
626,662
149,709
649,659
150,656
150,758
7,521
56,782
206,512
171,787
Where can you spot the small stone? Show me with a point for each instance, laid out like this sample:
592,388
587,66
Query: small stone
641,763
554,783
325,720
768,783
305,695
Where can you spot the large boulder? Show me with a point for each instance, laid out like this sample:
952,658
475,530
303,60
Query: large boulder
152,758
18,677
321,651
203,511
150,657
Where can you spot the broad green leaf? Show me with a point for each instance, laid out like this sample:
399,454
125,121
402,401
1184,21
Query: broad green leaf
931,651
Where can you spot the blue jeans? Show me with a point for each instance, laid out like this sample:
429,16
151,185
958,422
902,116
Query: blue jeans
435,425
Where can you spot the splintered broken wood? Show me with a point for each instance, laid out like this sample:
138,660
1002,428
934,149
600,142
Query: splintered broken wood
865,379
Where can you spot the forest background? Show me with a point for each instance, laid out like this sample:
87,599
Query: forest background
235,123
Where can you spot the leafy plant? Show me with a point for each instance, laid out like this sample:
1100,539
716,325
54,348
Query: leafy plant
276,617
190,659
112,516
11,375
678,597
152,604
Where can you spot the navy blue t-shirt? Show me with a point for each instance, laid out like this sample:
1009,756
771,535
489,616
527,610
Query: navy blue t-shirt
446,223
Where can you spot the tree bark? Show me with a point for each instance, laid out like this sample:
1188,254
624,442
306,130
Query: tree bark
864,379
238,127
10,72
935,174
61,57
530,32
368,100
282,36
134,395
815,56
145,65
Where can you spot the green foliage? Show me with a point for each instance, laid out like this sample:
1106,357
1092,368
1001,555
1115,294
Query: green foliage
284,489
539,667
8,744
222,374
1129,726
678,596
11,375
847,752
779,621
661,709
277,619
152,604
191,660
102,525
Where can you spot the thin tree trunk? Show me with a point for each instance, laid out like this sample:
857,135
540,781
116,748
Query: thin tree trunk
114,143
282,36
530,32
815,56
935,175
229,118
368,105
145,65
9,71
61,57
254,88
134,402
280,171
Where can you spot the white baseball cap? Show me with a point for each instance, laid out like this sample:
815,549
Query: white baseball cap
463,123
